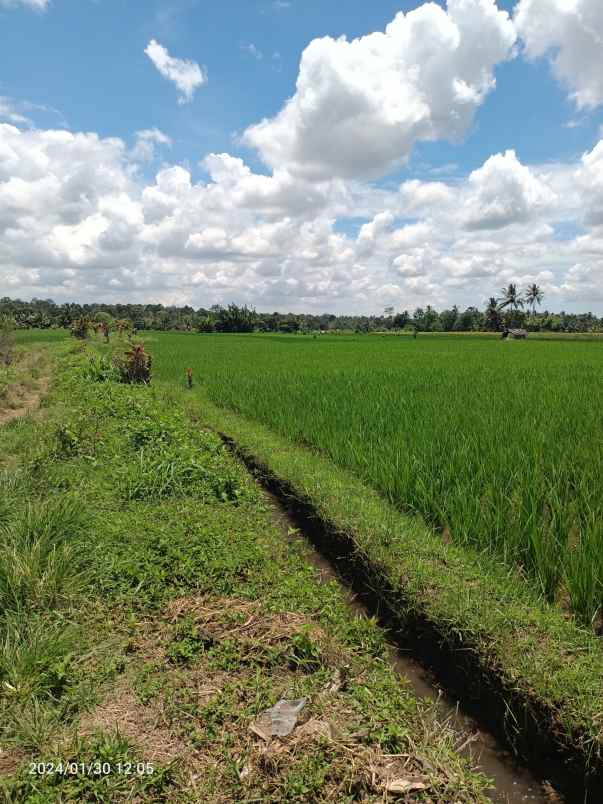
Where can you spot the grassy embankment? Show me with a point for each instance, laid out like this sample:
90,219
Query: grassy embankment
496,444
532,673
151,609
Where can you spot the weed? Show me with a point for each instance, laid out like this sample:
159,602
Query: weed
175,471
35,657
189,641
135,366
101,369
306,655
39,567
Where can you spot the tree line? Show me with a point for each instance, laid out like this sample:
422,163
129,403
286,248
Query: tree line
511,309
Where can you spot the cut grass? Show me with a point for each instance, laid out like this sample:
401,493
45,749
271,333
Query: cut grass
542,673
196,615
23,383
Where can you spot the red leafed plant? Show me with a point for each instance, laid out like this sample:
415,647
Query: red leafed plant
135,366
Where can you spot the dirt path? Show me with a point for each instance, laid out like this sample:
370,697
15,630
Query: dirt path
28,403
22,390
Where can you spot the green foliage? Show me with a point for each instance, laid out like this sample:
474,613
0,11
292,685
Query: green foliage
101,368
80,327
496,442
39,566
306,654
35,654
135,366
7,340
188,642
44,314
176,471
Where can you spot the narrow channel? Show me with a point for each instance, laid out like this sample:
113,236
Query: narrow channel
512,783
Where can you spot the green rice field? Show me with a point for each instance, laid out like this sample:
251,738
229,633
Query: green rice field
497,444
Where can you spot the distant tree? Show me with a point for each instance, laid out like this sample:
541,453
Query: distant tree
470,320
431,319
43,313
533,297
400,320
511,297
205,323
418,318
492,317
235,319
448,318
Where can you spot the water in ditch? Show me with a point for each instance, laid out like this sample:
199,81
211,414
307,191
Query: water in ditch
512,783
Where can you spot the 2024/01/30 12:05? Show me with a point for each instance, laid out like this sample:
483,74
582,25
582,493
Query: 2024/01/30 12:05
91,768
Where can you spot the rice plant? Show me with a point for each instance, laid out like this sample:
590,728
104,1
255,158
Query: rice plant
498,442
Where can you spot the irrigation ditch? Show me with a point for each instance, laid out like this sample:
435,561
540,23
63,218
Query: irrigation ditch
515,739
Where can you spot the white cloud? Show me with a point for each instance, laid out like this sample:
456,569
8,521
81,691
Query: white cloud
570,32
9,112
78,221
503,192
187,75
37,5
589,178
361,105
146,141
253,51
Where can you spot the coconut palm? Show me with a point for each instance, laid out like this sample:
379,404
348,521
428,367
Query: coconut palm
534,296
511,298
493,320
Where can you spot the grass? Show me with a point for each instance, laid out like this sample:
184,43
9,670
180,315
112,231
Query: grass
162,638
495,444
531,668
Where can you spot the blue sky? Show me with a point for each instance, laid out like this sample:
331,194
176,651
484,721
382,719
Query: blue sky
81,66
86,59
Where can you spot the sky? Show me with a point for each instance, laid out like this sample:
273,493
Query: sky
301,155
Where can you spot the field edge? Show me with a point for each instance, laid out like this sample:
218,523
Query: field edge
532,673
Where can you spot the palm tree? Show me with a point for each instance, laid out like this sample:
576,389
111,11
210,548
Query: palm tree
511,298
493,318
534,296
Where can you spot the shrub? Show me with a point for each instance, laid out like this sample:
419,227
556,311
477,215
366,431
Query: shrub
101,369
7,340
135,366
80,327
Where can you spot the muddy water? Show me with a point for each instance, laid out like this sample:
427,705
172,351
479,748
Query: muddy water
512,783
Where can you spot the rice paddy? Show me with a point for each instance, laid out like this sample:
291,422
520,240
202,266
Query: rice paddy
496,444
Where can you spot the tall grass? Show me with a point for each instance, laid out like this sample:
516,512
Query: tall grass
498,442
39,565
41,571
